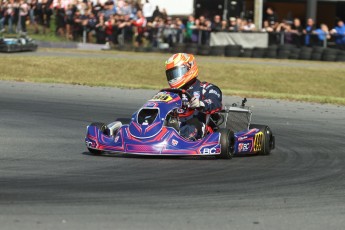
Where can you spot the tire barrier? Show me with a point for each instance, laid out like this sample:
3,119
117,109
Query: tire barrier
191,49
246,53
305,53
217,50
294,53
204,50
271,51
317,52
341,56
178,48
330,55
233,50
258,52
274,51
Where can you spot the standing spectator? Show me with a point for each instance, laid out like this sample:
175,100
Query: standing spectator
339,33
308,39
322,34
170,32
69,16
248,25
60,21
297,31
216,24
100,29
205,28
10,15
148,10
140,24
109,31
98,7
157,13
224,26
108,10
164,14
32,5
77,26
285,30
233,27
190,26
2,17
181,29
23,13
46,14
239,23
91,26
271,18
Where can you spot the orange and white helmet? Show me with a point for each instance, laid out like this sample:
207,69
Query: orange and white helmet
180,69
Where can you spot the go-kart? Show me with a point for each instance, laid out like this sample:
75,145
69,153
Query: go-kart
154,130
10,45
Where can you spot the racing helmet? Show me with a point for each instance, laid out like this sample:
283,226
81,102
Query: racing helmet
181,69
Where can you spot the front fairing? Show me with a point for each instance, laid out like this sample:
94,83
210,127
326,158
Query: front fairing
149,120
167,142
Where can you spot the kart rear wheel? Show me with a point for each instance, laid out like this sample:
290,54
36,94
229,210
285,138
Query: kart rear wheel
95,151
268,141
227,141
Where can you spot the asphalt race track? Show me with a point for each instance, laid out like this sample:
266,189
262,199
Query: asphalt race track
49,181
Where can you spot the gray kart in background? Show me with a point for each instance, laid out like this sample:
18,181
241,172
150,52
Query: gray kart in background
9,45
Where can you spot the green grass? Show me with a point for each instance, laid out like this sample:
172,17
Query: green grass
313,81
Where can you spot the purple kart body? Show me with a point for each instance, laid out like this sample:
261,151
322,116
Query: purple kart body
154,130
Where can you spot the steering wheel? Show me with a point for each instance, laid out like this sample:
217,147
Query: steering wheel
180,92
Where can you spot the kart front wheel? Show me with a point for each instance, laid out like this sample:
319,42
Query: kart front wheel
227,141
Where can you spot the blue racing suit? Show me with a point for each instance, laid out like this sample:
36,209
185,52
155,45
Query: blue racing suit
193,120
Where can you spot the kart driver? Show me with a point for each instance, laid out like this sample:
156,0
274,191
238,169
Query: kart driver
182,72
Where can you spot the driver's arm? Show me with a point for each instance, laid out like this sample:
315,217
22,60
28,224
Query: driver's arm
212,99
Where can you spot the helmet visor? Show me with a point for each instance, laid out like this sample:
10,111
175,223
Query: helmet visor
176,72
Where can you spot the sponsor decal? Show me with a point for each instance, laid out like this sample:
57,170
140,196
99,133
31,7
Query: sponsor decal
209,151
214,92
90,144
258,140
243,147
174,142
164,97
242,138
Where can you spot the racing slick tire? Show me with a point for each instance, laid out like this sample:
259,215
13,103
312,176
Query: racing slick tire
103,127
227,141
268,141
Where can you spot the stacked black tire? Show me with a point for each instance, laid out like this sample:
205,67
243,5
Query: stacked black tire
259,52
217,50
233,50
284,51
271,51
305,53
330,55
341,56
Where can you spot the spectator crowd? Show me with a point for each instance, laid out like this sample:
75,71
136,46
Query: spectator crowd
117,22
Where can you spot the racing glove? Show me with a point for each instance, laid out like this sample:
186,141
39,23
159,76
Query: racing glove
195,103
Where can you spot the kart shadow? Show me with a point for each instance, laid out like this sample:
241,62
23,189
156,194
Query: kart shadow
132,156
